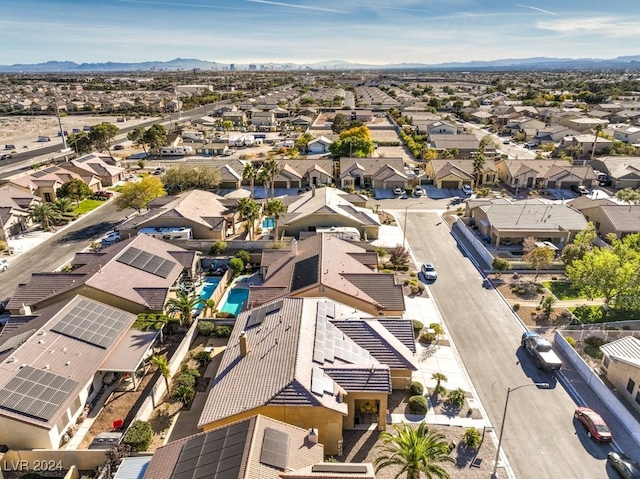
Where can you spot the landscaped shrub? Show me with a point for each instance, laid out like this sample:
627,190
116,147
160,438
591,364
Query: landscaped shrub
416,388
417,326
223,331
456,397
217,248
516,306
205,328
244,255
186,378
203,357
139,436
427,338
571,341
224,314
418,405
471,438
595,341
184,394
236,265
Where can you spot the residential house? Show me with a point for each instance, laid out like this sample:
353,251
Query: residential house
300,173
45,183
544,174
384,173
56,360
136,275
302,121
466,145
318,145
257,446
625,116
438,127
621,363
455,173
96,165
213,148
200,211
15,204
552,134
323,208
237,117
281,113
324,265
524,125
584,144
609,217
503,221
301,368
263,118
627,134
624,171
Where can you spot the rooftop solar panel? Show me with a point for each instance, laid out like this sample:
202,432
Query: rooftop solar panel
305,273
147,262
275,448
36,393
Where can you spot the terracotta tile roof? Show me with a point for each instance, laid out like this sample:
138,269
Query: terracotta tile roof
359,379
41,286
402,329
382,287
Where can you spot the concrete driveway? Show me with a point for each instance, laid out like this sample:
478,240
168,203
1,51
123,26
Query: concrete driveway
442,193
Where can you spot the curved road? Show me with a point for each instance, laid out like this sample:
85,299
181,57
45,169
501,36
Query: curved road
541,438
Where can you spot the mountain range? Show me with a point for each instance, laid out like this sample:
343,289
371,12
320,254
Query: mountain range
536,63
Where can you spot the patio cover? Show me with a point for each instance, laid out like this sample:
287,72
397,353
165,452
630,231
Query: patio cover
127,356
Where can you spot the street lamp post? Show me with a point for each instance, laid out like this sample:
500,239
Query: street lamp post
404,228
504,417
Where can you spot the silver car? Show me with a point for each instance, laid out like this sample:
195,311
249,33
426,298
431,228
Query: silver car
429,272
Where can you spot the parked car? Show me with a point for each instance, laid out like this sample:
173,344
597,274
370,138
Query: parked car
506,142
540,349
531,144
397,190
9,147
4,265
110,238
418,191
6,156
627,467
102,195
580,189
159,170
467,190
429,271
596,427
118,147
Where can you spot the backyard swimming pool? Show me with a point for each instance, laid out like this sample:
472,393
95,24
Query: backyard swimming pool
236,299
268,222
210,285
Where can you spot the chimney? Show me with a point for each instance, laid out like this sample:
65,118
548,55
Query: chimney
312,437
244,345
294,248
25,310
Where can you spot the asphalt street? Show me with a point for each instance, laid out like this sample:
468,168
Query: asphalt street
541,439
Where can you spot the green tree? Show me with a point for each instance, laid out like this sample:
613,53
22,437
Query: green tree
209,307
184,394
500,265
137,137
263,178
582,243
273,169
102,135
44,213
139,436
138,195
275,208
236,265
250,173
416,451
353,142
155,322
629,195
249,211
161,363
183,305
80,142
185,177
155,137
440,378
227,125
75,189
539,258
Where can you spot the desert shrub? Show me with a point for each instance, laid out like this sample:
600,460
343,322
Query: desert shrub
139,436
418,405
244,255
571,341
417,325
438,330
382,251
471,438
595,341
184,394
205,328
276,245
223,331
427,337
236,265
456,397
224,314
516,306
416,388
203,357
185,379
217,248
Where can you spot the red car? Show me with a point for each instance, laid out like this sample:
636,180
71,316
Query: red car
596,427
102,195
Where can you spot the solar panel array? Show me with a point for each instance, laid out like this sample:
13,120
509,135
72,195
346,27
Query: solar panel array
92,322
257,315
305,273
147,262
215,455
330,342
36,393
321,384
275,448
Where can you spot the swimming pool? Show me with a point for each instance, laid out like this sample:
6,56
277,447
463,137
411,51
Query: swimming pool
236,299
269,222
210,285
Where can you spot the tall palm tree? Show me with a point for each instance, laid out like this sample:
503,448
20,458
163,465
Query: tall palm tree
161,363
249,172
275,208
44,213
598,130
273,170
440,378
250,211
184,304
416,451
263,177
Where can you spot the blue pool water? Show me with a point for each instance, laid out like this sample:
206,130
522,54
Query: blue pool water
269,222
236,299
210,285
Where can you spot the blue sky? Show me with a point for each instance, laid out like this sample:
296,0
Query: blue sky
308,31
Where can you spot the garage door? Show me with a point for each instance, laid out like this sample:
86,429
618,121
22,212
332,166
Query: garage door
551,185
449,184
280,184
394,184
566,185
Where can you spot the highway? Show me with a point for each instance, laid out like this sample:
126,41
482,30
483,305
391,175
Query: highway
541,439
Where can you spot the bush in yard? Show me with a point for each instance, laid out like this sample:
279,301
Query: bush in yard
205,328
223,331
217,248
571,341
516,306
416,388
236,265
427,338
456,397
184,394
244,255
417,326
203,357
418,405
139,436
595,341
471,438
185,379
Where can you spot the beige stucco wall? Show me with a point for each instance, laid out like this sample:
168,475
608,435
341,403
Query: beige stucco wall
341,297
325,221
329,423
619,373
199,230
600,220
401,378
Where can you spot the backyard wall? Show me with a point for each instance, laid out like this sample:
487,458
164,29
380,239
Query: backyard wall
603,392
232,245
474,240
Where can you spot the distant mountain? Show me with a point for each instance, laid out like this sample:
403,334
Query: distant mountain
536,63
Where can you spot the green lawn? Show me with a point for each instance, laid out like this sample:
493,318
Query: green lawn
594,314
563,290
86,206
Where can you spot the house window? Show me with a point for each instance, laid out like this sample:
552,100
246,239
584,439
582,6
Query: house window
631,386
638,397
605,362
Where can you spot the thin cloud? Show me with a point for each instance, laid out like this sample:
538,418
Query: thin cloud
175,4
606,26
383,7
293,5
537,9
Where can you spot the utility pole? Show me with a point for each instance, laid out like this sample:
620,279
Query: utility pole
55,100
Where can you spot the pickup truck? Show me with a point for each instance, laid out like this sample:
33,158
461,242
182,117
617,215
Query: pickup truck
540,349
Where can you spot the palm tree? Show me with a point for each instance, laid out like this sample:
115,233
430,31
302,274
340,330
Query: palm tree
184,304
263,177
250,211
209,307
63,205
184,394
44,213
598,130
161,363
250,173
416,451
273,169
275,208
440,378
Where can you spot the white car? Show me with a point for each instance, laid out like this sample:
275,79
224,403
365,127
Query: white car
467,190
429,272
397,190
4,265
110,238
418,191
